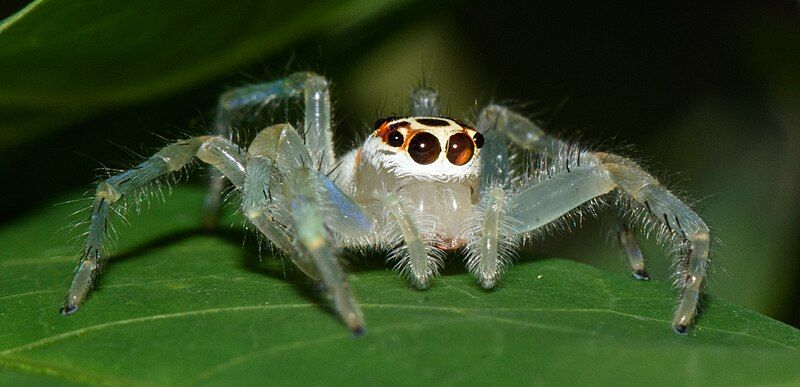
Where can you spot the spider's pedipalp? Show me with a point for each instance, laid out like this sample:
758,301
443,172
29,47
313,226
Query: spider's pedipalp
418,258
493,238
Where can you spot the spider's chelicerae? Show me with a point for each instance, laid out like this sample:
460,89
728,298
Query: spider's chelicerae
418,186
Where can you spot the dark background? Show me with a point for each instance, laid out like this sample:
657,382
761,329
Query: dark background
708,93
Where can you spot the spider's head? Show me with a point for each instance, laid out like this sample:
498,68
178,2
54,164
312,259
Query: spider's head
425,148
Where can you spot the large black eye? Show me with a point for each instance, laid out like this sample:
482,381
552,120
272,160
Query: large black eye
424,148
459,149
478,140
395,138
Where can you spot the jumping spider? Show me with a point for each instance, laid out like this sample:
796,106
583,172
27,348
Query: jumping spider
418,186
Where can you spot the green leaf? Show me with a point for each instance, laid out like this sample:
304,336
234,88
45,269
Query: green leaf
178,306
62,61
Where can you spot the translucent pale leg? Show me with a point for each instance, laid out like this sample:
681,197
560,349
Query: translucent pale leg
257,194
286,152
256,207
678,220
528,135
318,138
424,102
494,154
519,129
594,174
627,240
300,189
217,151
549,200
306,206
418,263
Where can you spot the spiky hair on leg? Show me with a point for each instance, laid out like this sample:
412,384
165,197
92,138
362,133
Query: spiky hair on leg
648,224
400,222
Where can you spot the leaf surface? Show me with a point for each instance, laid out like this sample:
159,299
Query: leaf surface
178,306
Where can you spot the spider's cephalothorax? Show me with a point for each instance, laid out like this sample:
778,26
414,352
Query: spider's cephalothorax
417,186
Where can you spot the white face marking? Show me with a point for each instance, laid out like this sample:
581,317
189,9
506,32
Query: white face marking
425,148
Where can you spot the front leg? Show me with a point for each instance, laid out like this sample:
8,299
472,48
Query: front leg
561,192
303,213
598,173
305,207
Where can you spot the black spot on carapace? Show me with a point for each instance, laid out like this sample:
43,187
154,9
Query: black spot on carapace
432,122
380,121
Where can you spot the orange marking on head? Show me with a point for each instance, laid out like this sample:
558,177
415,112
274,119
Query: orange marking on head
382,131
388,127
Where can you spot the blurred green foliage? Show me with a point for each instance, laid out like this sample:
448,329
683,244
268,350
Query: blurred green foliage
708,94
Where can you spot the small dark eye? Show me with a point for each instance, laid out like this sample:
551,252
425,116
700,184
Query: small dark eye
424,148
459,149
395,138
478,140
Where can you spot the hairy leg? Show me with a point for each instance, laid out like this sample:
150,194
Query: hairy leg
490,243
678,222
495,163
587,175
318,138
306,211
528,135
217,151
303,213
